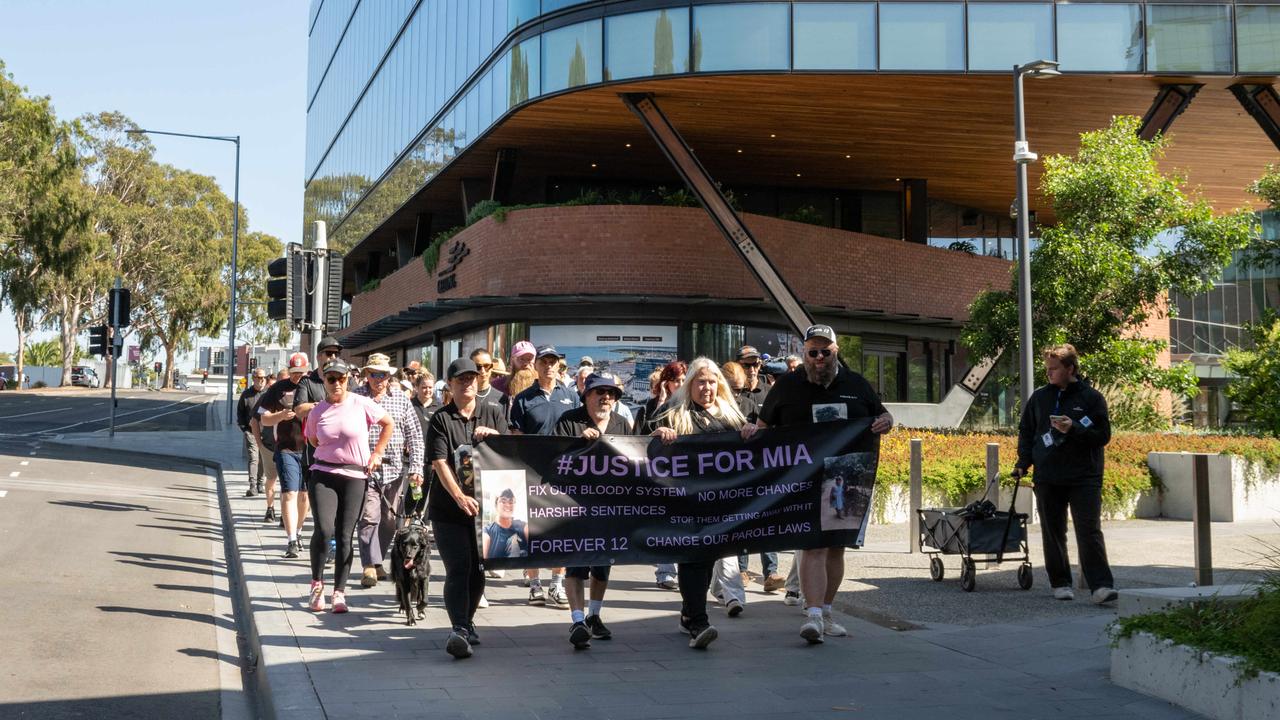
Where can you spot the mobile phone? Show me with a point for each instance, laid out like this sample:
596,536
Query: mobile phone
1057,418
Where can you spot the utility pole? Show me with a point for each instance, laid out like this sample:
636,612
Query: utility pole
320,275
113,344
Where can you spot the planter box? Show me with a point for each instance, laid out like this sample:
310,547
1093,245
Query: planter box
1238,490
1201,682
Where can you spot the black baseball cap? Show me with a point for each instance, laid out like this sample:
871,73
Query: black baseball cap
328,341
746,352
507,494
337,365
461,366
596,381
548,350
820,331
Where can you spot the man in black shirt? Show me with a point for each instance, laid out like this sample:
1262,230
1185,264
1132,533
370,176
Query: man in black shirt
596,417
751,397
244,418
823,391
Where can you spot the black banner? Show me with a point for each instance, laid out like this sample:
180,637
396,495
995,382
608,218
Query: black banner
548,502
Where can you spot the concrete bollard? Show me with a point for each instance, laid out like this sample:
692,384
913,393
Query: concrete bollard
915,495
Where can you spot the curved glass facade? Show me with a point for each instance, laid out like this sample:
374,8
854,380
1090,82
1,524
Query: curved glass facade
397,88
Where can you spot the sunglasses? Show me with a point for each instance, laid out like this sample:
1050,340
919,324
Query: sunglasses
411,373
750,364
335,379
331,353
485,368
823,353
379,375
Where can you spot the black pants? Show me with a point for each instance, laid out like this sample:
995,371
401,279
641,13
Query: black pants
336,501
695,581
1085,502
463,579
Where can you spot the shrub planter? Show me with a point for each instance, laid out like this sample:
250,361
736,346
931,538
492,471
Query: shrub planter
1239,490
1201,682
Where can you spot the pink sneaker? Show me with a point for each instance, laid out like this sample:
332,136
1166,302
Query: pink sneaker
317,596
339,602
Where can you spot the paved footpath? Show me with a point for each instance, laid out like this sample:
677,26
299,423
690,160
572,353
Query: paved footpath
369,664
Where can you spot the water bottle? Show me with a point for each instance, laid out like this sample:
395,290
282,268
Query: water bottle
416,493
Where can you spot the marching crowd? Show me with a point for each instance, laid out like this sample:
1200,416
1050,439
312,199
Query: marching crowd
364,449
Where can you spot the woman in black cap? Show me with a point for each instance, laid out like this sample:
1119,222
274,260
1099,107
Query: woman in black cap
338,429
452,505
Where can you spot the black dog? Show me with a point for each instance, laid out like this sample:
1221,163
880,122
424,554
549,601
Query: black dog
411,570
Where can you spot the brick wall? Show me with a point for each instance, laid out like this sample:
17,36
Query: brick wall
648,250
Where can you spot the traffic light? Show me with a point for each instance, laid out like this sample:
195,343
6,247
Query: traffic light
253,364
158,366
333,290
287,286
98,340
118,307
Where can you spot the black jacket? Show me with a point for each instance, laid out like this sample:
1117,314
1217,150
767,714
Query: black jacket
244,408
1075,458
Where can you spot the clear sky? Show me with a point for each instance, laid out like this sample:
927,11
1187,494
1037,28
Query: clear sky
228,67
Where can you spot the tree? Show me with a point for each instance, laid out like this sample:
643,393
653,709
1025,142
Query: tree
39,209
46,353
1126,235
1256,385
1265,250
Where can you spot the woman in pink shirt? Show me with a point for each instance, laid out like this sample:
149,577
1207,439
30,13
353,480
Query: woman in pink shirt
338,429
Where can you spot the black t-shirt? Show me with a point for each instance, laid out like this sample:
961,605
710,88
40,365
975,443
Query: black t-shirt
793,400
450,438
280,396
573,422
750,401
703,421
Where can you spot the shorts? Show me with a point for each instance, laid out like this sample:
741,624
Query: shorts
599,572
289,468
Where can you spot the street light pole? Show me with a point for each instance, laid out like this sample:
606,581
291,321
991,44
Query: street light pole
1022,156
235,266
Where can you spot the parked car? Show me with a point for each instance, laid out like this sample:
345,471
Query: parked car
85,376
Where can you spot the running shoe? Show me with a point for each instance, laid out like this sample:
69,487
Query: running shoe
668,584
1104,595
473,637
774,583
1063,593
598,629
484,602
685,625
369,578
339,602
316,603
831,627
249,492
792,598
556,595
270,514
702,636
580,636
291,550
811,630
458,646
734,607
537,596
382,573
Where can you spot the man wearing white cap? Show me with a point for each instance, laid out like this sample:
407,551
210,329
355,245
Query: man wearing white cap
279,408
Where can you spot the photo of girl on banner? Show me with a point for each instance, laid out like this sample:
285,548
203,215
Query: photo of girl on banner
847,484
504,514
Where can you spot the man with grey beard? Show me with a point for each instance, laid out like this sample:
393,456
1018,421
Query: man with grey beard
823,391
596,417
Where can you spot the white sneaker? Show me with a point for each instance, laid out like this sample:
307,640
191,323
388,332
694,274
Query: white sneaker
484,601
734,607
791,598
1063,593
1104,595
811,630
556,595
831,627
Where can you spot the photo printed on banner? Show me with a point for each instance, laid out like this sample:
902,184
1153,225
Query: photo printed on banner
847,484
504,514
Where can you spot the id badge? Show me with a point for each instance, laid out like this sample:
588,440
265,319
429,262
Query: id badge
1048,439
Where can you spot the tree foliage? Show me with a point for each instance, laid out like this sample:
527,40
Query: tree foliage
1256,386
1126,235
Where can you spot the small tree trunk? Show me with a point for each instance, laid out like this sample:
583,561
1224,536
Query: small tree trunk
168,366
23,321
69,323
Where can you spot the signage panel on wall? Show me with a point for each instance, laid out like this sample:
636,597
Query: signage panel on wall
631,352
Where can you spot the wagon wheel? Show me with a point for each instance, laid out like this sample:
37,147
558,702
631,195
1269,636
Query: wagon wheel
935,568
967,576
1024,576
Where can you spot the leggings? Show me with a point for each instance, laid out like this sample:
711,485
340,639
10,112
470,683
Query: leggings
695,580
463,579
335,501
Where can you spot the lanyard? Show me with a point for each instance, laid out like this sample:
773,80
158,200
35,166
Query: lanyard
1057,403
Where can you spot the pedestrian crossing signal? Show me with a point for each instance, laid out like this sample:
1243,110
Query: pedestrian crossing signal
98,340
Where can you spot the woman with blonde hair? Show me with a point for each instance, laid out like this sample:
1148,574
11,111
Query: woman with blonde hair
703,404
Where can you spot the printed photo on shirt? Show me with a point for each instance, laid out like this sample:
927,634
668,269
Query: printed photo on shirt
504,514
830,412
847,485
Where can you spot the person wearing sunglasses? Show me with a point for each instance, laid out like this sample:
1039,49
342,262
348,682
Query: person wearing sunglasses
485,391
821,390
338,431
401,466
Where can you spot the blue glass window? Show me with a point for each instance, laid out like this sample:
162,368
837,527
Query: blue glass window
1189,38
921,36
1007,34
571,56
741,37
551,5
647,43
522,65
1258,38
834,36
1100,37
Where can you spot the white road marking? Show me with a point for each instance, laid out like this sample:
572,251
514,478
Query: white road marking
37,412
198,401
33,452
25,462
3,493
14,474
99,404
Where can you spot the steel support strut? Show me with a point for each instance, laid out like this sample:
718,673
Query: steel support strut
713,201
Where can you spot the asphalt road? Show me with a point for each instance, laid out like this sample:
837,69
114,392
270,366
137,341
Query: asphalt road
80,410
114,571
